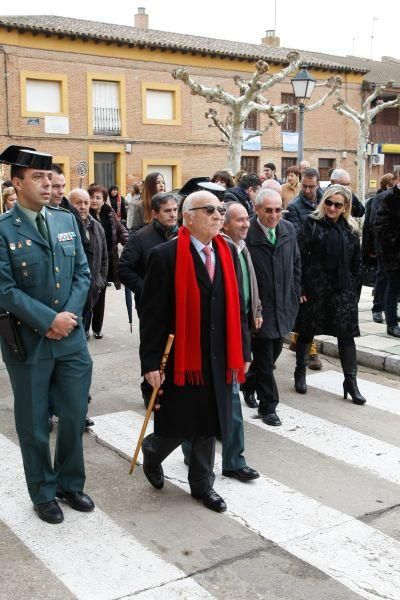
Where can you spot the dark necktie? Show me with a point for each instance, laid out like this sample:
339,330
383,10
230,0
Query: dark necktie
41,225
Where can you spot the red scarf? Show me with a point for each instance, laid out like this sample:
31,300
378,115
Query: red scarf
187,315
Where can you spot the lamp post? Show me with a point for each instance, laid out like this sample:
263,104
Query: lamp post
303,86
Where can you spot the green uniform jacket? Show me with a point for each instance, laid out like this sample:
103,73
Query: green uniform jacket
39,280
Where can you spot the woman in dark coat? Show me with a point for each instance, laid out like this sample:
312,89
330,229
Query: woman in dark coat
115,234
331,272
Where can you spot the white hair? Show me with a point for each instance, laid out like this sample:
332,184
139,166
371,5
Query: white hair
338,174
267,193
78,192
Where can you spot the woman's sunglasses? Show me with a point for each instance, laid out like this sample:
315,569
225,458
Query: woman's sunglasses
335,204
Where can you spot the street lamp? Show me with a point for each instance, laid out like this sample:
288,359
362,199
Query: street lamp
303,86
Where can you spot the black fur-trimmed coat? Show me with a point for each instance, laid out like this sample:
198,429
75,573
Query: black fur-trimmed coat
387,229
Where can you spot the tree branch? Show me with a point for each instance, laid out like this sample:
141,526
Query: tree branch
216,122
217,94
382,105
294,63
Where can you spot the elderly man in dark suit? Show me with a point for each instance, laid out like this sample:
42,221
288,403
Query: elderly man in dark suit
191,289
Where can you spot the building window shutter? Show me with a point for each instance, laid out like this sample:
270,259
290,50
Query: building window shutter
43,96
159,105
106,112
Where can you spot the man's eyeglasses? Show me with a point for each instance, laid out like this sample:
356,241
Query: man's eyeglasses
270,211
335,204
309,187
210,210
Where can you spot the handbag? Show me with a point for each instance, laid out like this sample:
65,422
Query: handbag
10,334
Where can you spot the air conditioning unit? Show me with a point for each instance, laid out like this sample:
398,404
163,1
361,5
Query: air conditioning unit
377,159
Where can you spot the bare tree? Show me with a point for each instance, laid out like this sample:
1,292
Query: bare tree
250,99
363,119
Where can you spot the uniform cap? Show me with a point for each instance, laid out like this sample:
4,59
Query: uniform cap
200,183
23,156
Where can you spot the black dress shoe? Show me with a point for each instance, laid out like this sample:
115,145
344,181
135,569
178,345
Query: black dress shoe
89,399
377,316
212,500
98,335
250,399
154,475
77,500
394,331
271,419
244,474
49,512
50,424
88,423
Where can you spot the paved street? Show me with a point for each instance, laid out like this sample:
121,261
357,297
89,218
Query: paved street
322,522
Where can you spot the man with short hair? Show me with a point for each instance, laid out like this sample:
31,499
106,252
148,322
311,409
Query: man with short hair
235,227
190,289
44,283
245,192
275,255
298,211
342,177
269,171
57,187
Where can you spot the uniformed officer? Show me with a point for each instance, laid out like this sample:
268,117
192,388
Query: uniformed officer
44,281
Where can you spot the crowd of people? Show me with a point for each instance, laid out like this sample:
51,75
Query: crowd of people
229,264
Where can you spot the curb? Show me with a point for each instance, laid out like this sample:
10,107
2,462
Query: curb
373,359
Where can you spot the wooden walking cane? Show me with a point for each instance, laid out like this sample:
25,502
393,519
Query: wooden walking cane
151,403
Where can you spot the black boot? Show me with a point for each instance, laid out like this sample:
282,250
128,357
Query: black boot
348,358
302,352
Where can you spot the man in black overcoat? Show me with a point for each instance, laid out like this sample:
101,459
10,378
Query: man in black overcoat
196,399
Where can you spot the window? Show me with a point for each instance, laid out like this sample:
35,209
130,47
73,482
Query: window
251,121
106,113
325,166
43,94
107,165
250,164
171,171
106,104
286,163
161,104
290,121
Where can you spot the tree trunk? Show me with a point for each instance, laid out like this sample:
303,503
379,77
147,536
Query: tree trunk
235,144
361,150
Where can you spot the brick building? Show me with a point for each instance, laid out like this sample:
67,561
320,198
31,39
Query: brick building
104,94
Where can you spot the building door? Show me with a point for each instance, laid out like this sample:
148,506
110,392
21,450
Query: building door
105,168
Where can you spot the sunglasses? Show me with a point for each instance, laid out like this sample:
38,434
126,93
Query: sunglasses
335,204
270,211
210,210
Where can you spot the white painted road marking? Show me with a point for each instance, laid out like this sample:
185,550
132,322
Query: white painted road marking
377,395
336,441
361,558
93,556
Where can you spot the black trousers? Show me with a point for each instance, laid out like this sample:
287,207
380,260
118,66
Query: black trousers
201,476
265,353
98,312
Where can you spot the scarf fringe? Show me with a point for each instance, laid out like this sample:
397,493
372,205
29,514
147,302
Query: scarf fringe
235,376
190,377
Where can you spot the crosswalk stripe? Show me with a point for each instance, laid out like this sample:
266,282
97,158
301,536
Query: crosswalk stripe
93,556
377,395
336,441
351,552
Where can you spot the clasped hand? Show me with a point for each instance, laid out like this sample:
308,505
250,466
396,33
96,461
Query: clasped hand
62,326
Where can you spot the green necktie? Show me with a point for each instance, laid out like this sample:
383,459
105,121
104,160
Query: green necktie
272,235
41,225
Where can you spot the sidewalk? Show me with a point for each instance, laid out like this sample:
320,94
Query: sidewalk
375,349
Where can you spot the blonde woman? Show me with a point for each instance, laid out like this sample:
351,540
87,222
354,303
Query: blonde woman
331,274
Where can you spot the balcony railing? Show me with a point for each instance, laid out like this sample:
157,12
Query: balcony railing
106,121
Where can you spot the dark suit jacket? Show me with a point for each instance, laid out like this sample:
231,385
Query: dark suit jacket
188,410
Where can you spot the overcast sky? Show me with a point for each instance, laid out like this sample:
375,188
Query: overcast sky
340,27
